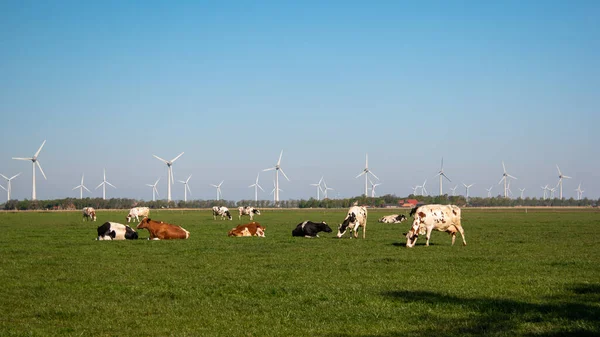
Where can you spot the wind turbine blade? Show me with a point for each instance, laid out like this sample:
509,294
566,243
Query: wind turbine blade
252,185
155,190
99,185
159,158
174,159
288,179
512,176
188,179
22,158
3,176
503,167
500,182
181,181
39,150
363,172
221,183
188,188
269,169
279,161
111,184
86,189
157,180
442,166
374,175
3,188
367,160
213,185
446,177
260,187
40,167
16,175
566,177
150,185
559,173
76,187
172,179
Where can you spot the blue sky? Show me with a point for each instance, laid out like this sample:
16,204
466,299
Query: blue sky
231,84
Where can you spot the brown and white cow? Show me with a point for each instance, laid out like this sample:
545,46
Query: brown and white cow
222,211
89,213
444,218
356,217
137,213
394,218
248,210
249,229
163,231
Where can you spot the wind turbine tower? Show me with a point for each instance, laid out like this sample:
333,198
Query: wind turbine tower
103,184
154,190
81,187
560,180
169,173
218,187
35,161
467,189
256,187
442,175
277,168
186,187
9,187
505,177
366,173
318,185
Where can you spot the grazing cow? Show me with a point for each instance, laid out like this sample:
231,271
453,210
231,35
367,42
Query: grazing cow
311,229
248,210
137,213
356,217
89,213
222,211
394,218
249,229
163,231
116,231
444,218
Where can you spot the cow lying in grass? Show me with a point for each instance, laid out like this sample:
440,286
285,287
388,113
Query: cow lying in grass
444,218
249,229
163,231
116,231
394,218
310,229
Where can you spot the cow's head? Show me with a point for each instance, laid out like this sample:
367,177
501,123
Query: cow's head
400,218
228,215
260,231
130,234
350,219
412,235
144,223
324,227
255,211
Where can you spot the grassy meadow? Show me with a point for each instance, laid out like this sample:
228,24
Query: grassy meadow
534,274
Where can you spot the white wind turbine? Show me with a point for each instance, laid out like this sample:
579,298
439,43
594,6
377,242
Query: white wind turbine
169,173
373,188
552,192
319,189
103,184
423,189
545,189
256,187
510,193
442,174
35,161
277,168
579,192
467,188
325,189
453,190
505,177
154,190
273,191
366,172
415,189
186,187
522,190
489,190
218,187
9,186
560,180
81,187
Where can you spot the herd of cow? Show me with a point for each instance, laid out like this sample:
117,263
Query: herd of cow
445,218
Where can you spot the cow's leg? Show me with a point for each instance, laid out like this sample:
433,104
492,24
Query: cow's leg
462,234
364,230
453,237
429,230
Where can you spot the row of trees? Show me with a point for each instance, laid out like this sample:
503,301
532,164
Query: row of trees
383,201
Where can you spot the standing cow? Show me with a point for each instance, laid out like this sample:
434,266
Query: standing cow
356,218
222,211
89,213
444,218
311,229
248,210
137,213
116,231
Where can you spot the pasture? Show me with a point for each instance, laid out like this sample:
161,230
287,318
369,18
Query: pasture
534,273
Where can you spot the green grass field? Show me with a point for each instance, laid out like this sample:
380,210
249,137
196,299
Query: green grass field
535,273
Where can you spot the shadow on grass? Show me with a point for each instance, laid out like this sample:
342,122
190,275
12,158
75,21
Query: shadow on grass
575,312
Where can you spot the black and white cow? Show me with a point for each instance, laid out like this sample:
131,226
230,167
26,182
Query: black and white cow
311,229
394,218
248,210
222,211
356,218
116,231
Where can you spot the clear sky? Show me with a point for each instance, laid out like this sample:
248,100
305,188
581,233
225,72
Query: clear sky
232,83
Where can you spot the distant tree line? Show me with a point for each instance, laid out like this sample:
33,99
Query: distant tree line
387,200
